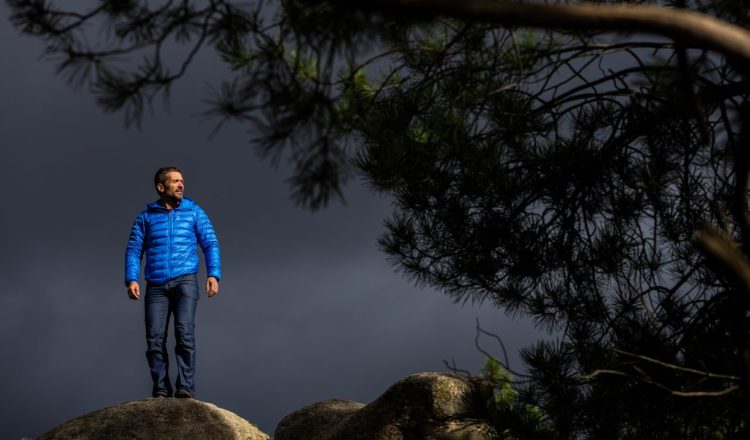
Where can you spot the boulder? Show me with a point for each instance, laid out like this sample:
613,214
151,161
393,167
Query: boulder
422,406
166,419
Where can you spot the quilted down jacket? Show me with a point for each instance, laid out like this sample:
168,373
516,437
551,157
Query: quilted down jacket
169,239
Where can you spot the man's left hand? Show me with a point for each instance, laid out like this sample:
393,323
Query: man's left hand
212,286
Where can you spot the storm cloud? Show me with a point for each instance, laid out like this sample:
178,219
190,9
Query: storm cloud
309,308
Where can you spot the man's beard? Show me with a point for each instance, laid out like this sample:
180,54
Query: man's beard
173,200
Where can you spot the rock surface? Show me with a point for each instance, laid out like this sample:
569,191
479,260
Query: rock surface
158,419
422,406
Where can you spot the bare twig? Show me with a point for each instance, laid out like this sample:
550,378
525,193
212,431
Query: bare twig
677,367
452,366
717,393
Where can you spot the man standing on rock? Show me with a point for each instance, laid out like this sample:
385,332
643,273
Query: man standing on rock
167,231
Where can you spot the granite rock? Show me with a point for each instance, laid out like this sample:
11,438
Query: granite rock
165,419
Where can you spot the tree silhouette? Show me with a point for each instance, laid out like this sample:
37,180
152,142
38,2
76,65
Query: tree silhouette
560,170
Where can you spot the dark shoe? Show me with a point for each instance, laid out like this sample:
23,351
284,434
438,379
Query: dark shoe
183,394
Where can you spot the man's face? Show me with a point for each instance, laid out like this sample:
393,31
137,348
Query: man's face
173,187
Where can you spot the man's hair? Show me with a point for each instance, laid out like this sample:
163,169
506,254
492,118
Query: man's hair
161,174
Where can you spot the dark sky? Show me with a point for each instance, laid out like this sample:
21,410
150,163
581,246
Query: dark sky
309,308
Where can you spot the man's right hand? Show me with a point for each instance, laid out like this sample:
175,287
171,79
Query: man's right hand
134,290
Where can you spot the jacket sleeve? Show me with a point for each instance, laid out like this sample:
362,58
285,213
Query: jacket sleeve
134,251
208,243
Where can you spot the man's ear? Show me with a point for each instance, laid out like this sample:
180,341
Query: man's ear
160,187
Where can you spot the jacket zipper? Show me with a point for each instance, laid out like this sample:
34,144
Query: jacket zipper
169,245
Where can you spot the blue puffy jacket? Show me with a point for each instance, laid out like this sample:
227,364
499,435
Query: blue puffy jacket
169,240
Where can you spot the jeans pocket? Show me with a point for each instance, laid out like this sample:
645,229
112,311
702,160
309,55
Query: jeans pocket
189,288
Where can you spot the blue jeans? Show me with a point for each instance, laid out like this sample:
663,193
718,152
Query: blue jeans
177,298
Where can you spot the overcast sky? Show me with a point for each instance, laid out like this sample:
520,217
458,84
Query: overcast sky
309,309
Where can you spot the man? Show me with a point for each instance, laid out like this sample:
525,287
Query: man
167,232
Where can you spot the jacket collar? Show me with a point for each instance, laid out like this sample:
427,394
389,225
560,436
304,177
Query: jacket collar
186,203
